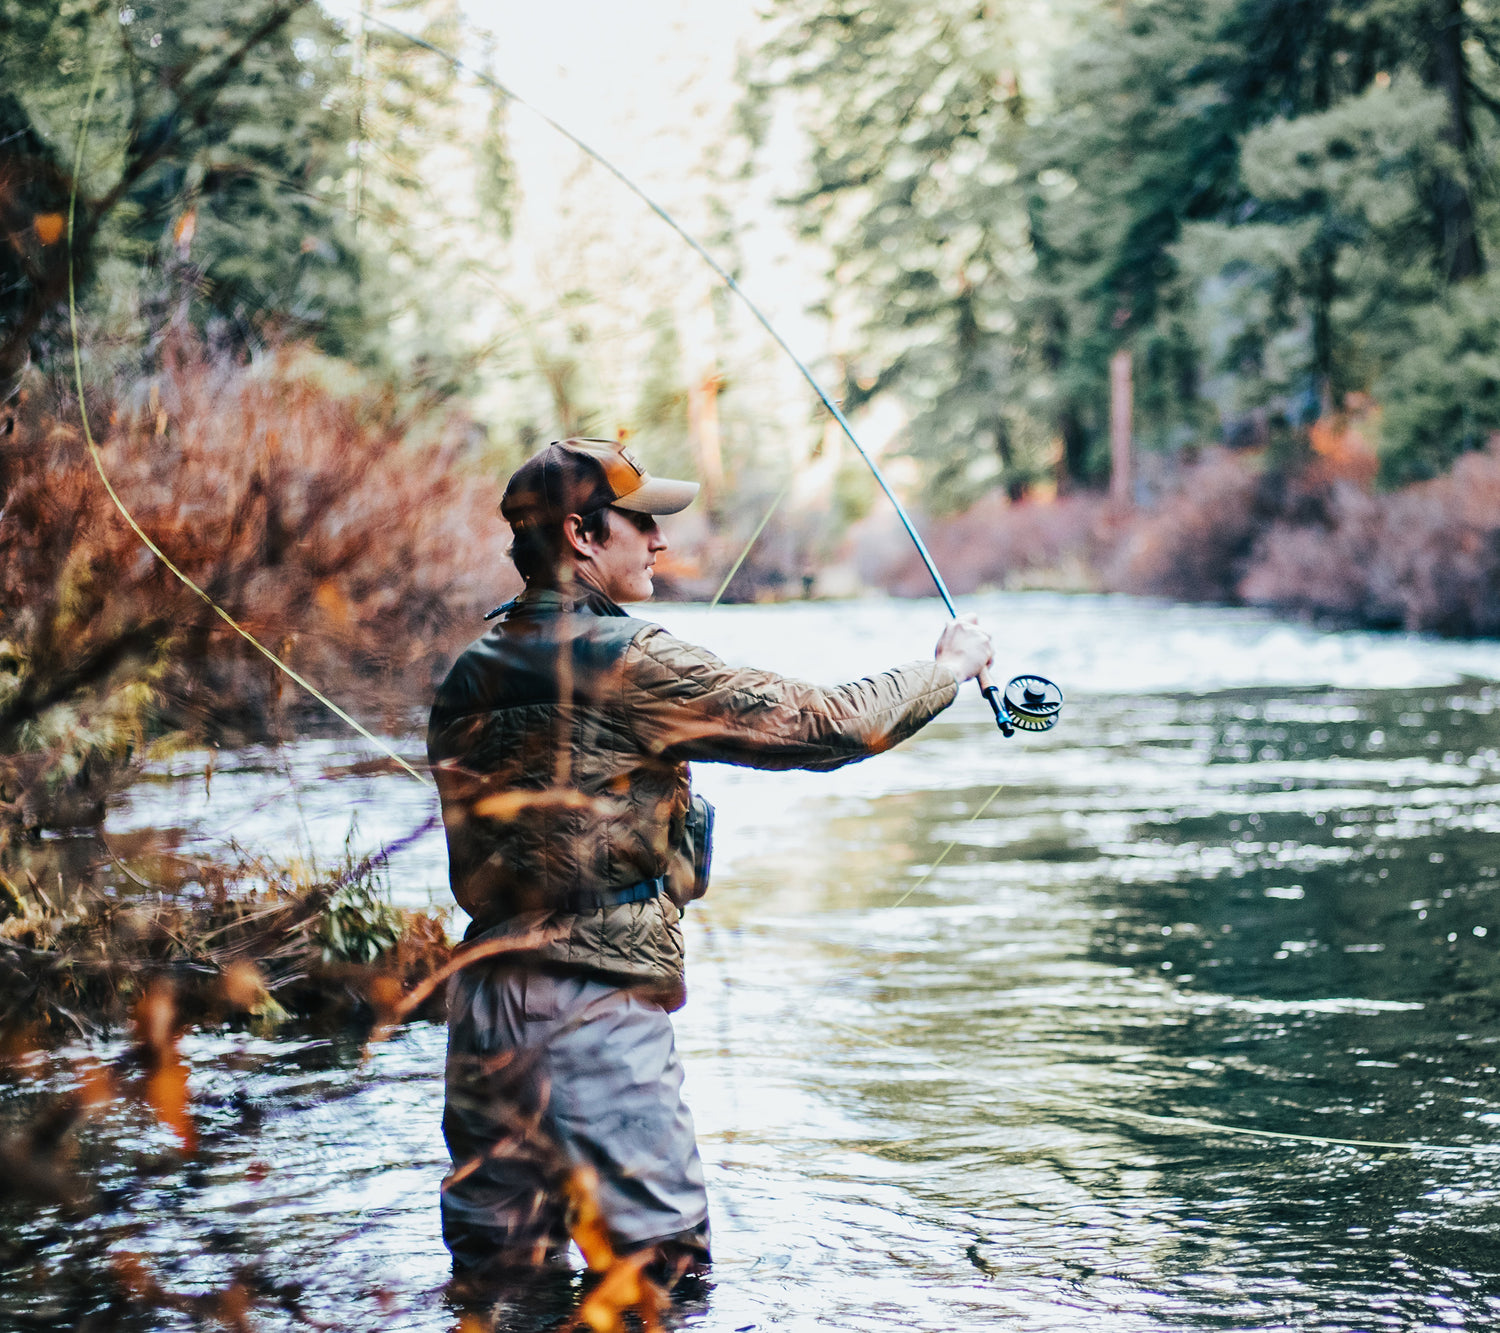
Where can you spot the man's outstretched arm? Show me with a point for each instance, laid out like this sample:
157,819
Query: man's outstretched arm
685,703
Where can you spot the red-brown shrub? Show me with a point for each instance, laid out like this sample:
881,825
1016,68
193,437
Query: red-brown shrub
357,554
1323,568
985,546
1195,545
1426,557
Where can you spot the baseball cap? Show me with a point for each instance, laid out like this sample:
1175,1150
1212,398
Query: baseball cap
577,476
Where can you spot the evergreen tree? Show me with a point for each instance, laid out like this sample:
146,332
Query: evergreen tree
266,174
212,143
915,112
1265,201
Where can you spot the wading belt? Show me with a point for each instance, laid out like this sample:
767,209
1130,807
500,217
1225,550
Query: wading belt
635,893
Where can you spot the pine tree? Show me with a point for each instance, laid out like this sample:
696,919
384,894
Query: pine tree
915,115
211,144
1264,201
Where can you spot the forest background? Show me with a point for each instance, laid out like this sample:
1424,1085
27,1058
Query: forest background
1186,299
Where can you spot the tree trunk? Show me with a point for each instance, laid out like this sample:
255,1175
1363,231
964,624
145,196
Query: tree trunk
1015,486
1074,463
1075,449
1453,201
1121,410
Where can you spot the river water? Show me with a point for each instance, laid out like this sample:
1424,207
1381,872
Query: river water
1250,880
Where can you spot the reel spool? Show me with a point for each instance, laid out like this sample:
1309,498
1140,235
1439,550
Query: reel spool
1029,703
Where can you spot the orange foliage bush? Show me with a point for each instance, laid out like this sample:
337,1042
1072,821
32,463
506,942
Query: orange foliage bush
1196,544
1425,557
358,554
1318,543
1312,540
987,545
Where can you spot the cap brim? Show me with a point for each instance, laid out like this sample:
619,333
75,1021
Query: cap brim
659,495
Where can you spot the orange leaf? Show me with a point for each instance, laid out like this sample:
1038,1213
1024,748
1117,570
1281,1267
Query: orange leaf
154,1019
231,1306
166,1078
167,1095
623,1288
242,985
134,1275
588,1229
96,1087
48,227
332,603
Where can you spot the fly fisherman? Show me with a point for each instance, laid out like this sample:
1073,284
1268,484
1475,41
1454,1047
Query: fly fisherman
561,742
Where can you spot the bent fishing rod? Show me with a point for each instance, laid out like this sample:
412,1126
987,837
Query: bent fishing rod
1028,702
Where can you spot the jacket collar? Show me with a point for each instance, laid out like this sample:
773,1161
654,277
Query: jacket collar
537,601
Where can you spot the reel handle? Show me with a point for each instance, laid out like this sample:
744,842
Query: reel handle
996,701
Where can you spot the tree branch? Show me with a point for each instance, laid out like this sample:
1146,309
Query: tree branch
194,105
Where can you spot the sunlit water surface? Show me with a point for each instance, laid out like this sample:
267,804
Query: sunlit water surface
1250,879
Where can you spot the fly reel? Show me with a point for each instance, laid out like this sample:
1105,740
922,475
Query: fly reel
1028,703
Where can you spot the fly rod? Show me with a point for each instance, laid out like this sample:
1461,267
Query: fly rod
1028,702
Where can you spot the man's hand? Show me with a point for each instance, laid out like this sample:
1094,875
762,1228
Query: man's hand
964,649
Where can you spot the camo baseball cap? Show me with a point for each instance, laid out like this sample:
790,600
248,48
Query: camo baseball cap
578,476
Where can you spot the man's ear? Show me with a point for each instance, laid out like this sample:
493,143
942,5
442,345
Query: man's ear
576,544
580,545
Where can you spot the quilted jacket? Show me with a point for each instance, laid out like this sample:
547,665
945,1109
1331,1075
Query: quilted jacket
560,742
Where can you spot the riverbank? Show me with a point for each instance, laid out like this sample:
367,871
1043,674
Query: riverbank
1313,542
234,938
355,537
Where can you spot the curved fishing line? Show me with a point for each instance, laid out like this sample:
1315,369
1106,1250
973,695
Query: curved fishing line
129,518
1105,1111
749,545
1098,1108
943,855
723,275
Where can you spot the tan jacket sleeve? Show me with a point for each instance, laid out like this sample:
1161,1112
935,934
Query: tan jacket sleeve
683,703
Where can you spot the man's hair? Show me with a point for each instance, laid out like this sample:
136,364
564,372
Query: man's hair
537,549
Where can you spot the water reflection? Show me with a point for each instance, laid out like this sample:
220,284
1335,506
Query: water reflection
1269,905
1268,910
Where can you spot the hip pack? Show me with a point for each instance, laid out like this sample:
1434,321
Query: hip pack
698,834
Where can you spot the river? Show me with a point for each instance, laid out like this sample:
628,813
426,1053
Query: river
1249,880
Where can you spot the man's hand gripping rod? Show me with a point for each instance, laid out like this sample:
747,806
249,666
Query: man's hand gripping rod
1028,703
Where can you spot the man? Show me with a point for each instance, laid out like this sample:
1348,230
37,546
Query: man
561,742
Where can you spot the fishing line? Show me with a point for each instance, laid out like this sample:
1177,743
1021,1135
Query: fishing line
1098,1108
1030,702
129,518
943,855
723,275
834,411
754,537
720,272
